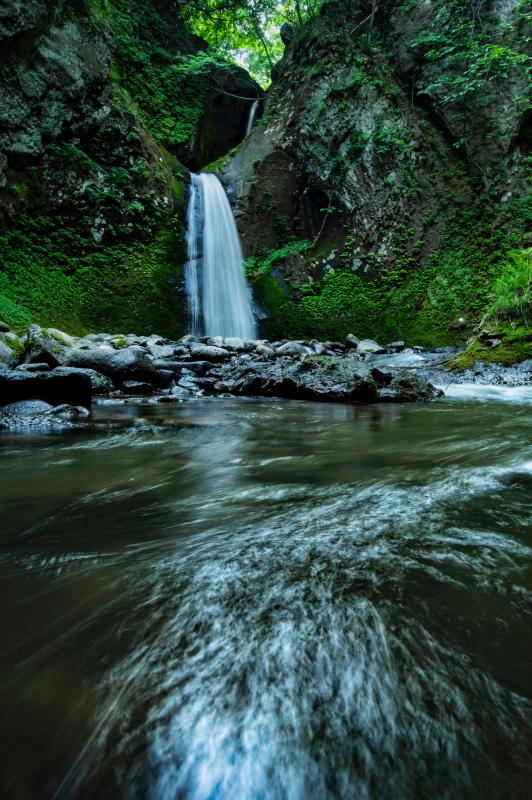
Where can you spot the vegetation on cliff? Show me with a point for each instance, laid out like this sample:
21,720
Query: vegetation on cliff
383,193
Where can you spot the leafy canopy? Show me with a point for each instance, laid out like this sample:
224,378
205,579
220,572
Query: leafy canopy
247,31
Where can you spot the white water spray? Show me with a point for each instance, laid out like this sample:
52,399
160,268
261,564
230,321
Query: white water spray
219,300
252,116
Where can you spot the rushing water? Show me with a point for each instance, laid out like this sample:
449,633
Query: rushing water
252,116
219,299
270,599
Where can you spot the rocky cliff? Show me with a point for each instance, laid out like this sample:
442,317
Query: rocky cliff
385,185
382,191
103,104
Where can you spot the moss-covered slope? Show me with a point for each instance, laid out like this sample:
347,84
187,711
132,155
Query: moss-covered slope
102,103
384,189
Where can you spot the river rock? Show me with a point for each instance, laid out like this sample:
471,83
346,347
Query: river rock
7,358
352,341
396,347
204,352
33,416
100,383
238,344
293,349
140,388
66,411
40,345
4,327
27,407
369,346
264,350
54,389
34,367
339,380
128,364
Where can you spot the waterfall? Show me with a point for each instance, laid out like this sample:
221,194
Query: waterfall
252,116
219,302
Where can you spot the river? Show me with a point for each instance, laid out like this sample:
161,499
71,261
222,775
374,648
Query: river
270,600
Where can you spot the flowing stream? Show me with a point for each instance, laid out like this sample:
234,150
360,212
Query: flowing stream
269,600
219,300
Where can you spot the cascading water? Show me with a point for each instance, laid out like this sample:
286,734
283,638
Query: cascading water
252,116
219,300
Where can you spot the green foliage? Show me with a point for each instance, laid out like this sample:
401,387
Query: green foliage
247,31
418,304
266,259
512,290
472,61
58,275
167,91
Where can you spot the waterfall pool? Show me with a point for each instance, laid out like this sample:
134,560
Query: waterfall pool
270,599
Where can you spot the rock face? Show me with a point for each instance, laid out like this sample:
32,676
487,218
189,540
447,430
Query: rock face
383,155
91,164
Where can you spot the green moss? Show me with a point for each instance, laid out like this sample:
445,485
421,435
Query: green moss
515,346
411,301
61,276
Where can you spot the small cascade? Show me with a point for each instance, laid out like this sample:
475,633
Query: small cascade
252,116
219,302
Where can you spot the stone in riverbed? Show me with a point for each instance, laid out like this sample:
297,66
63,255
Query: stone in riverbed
324,379
396,347
369,346
293,349
100,383
351,341
4,327
54,389
42,345
263,350
205,352
7,358
130,363
34,367
137,388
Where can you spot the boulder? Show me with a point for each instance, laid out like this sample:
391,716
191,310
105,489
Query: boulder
4,327
54,389
137,388
293,349
176,367
26,407
263,350
66,411
342,380
7,358
240,345
128,364
100,383
352,341
34,367
204,352
30,416
41,346
369,346
396,347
